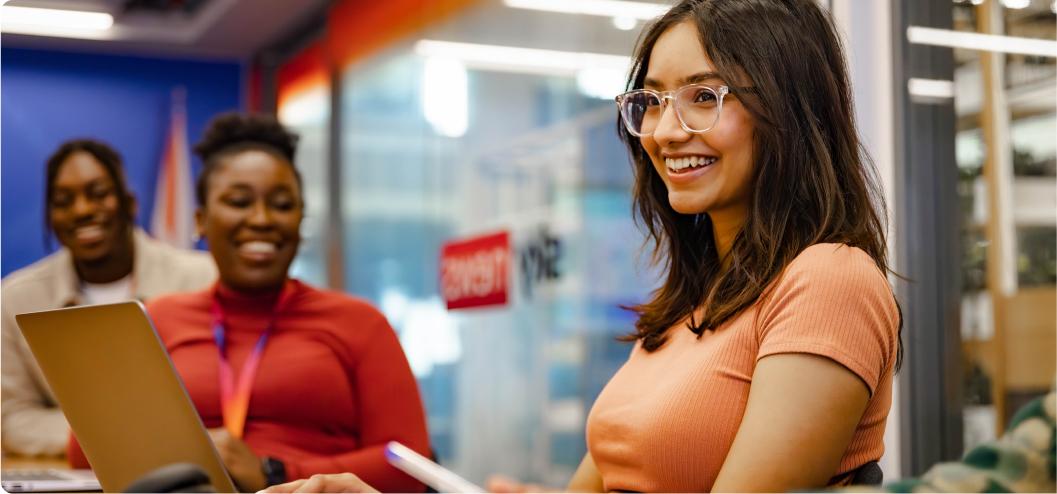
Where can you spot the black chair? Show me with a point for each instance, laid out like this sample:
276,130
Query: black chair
177,477
868,474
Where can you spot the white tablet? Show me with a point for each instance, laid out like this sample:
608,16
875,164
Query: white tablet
426,471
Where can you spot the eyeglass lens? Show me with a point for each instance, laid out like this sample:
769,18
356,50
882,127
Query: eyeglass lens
697,107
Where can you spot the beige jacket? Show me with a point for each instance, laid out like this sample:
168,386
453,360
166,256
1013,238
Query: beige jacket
32,424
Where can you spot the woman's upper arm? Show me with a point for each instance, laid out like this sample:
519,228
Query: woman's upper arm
390,406
800,417
828,337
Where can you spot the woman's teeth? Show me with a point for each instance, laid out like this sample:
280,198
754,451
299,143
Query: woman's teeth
89,233
258,247
677,164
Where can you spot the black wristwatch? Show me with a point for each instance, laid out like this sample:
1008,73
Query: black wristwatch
274,470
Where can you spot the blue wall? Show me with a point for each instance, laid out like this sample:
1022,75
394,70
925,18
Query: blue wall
49,97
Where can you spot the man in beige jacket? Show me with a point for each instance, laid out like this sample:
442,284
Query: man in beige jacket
104,259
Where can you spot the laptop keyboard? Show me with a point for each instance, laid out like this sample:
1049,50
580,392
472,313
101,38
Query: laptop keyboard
26,475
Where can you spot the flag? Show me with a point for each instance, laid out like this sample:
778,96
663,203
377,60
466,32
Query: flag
173,218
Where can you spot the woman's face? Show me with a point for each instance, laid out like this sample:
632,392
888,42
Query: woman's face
85,210
724,186
251,219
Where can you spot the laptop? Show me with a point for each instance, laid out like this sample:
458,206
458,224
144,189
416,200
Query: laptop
124,401
48,480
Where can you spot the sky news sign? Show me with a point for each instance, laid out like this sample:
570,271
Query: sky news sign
491,270
475,272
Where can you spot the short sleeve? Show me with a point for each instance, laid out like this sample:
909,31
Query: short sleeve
834,302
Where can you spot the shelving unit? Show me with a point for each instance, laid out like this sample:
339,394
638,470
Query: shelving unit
1007,151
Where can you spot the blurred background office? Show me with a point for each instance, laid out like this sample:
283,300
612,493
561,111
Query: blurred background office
462,171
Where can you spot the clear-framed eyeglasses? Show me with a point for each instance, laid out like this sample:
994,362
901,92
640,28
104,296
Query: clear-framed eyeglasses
697,107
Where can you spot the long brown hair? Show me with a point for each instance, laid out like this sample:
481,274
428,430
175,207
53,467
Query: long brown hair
813,180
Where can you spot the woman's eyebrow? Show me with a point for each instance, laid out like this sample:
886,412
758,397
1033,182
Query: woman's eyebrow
238,187
690,79
95,182
701,77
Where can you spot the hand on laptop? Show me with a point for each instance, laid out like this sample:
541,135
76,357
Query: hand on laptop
335,482
243,466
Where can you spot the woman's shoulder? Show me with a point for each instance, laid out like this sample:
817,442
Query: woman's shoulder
163,268
833,261
46,268
335,303
48,283
183,302
833,252
350,319
179,317
837,274
833,300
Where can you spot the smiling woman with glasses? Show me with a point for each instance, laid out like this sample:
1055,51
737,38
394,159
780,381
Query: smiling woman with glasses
765,360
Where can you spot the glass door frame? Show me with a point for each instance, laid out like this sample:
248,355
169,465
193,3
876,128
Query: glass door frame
928,253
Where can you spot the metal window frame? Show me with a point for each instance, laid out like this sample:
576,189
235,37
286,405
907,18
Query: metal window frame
269,60
928,245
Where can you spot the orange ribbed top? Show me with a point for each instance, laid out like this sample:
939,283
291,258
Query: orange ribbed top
667,419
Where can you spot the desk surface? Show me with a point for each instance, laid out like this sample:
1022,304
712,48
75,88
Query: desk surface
34,462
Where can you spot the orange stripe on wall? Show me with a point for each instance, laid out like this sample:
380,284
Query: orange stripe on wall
305,71
358,28
355,30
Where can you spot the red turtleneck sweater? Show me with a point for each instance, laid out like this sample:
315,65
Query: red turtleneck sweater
332,388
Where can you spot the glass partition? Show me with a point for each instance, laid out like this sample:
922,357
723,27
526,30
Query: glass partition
308,114
456,133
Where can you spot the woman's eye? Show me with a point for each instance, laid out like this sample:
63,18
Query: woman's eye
61,200
238,201
100,193
704,96
284,203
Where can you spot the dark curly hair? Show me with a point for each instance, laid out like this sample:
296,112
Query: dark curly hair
233,133
106,156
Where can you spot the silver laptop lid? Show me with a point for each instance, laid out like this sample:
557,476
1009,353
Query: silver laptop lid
119,391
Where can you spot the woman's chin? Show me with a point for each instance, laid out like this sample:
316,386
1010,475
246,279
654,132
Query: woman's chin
687,205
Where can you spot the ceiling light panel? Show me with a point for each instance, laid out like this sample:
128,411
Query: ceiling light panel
604,8
521,60
55,22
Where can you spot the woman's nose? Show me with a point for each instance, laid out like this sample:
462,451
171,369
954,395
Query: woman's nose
669,130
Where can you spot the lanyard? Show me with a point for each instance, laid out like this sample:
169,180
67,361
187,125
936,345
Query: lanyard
235,397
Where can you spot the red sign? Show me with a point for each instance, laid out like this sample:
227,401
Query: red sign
475,272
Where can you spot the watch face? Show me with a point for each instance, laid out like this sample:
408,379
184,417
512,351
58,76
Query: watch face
274,471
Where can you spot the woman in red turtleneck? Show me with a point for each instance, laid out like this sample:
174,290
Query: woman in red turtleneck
331,384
